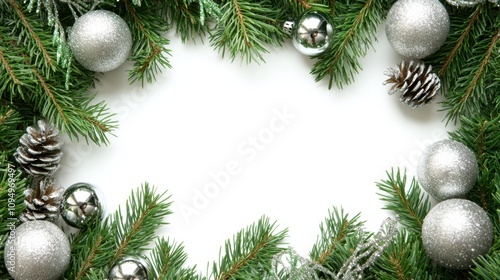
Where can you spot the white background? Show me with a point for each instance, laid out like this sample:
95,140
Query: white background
201,115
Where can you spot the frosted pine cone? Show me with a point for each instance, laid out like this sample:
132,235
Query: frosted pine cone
40,151
414,81
42,202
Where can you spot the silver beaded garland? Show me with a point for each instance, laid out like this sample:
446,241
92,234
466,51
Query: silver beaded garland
100,40
311,33
447,169
455,232
128,268
417,28
80,205
37,250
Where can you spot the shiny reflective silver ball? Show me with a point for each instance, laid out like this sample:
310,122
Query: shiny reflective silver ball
417,28
80,205
312,33
447,169
37,250
127,269
455,232
100,40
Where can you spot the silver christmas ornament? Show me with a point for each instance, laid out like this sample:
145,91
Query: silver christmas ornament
417,28
311,33
80,205
455,232
100,40
447,169
128,269
470,3
37,250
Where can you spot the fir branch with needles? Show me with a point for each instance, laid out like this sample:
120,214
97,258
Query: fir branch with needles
410,204
149,52
121,234
167,262
248,255
355,25
339,235
246,28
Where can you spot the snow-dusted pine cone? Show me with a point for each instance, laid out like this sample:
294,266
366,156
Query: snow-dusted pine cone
40,151
43,201
414,81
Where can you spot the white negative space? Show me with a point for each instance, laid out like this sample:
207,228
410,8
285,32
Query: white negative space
207,118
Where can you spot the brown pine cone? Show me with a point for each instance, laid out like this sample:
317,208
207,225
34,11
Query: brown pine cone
414,81
40,151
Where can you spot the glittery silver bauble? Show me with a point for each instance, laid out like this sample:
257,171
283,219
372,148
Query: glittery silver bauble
417,28
128,268
37,250
455,232
311,33
464,3
447,169
100,40
80,205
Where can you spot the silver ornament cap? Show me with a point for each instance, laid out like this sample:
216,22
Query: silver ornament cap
128,268
37,250
80,205
100,40
455,232
311,33
447,169
417,28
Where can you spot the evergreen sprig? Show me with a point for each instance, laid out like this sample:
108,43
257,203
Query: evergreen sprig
167,262
469,60
125,233
248,255
355,25
339,235
149,51
405,258
409,203
246,28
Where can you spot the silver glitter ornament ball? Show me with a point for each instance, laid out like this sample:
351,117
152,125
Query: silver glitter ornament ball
127,269
100,40
80,205
311,33
455,232
447,169
417,28
37,250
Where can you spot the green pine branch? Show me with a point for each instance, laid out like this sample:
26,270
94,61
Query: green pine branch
144,213
339,235
480,134
12,125
246,28
405,258
248,255
149,52
469,60
355,25
409,203
34,79
125,233
487,268
167,260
